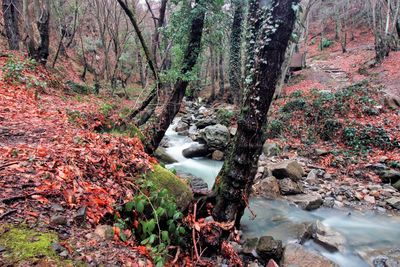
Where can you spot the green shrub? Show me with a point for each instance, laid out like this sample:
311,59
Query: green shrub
275,128
330,129
325,43
224,116
296,104
13,69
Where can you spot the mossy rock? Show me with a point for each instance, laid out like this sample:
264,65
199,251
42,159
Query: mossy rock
27,247
176,187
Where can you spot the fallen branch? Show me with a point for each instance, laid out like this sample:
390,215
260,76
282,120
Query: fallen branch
7,213
2,167
19,197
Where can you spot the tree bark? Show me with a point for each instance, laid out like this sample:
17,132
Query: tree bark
266,53
235,66
10,13
221,75
212,75
156,130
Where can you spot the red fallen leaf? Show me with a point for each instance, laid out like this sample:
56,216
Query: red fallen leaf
142,250
69,197
41,199
67,246
42,152
33,214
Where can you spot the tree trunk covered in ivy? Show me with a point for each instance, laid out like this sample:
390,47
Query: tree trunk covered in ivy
235,66
269,31
10,13
160,122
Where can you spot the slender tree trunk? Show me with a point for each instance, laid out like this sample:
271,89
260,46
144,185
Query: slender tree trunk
235,59
10,13
212,75
221,75
156,131
266,53
58,49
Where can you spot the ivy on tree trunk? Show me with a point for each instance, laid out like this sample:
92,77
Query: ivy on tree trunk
269,29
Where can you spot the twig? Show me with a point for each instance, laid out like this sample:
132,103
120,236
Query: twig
194,236
7,213
176,256
2,167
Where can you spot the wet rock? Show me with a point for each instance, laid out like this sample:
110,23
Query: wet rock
394,202
328,238
287,169
216,137
162,155
198,185
397,185
309,201
296,255
195,150
369,199
249,246
291,231
289,187
272,263
382,257
376,167
204,122
390,176
269,248
58,220
218,155
329,202
312,177
270,149
181,127
233,131
80,216
267,187
105,232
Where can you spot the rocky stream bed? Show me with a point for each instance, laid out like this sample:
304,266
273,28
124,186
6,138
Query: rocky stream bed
300,215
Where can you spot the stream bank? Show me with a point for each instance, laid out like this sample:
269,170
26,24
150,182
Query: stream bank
340,230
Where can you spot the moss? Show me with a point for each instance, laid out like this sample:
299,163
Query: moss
24,247
176,187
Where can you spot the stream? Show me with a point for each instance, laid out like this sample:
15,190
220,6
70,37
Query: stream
364,232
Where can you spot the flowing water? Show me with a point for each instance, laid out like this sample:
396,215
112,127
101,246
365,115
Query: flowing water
363,231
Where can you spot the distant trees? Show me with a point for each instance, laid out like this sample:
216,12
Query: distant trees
11,18
270,25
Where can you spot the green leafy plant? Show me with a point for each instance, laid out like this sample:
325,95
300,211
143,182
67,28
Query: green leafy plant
325,43
13,70
225,116
296,104
275,128
154,218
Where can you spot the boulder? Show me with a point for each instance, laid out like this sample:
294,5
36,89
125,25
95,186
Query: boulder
394,202
218,155
181,127
195,150
296,255
289,187
269,248
250,245
216,137
58,220
390,176
270,149
204,122
198,185
309,201
328,238
385,257
162,155
267,187
287,169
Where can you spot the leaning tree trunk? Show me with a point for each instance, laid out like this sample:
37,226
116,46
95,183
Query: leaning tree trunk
235,66
156,130
269,32
10,13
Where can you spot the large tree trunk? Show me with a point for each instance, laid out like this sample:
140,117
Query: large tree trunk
269,31
221,75
156,130
235,66
38,49
10,13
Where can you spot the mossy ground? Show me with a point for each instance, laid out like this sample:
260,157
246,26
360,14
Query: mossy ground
176,187
27,247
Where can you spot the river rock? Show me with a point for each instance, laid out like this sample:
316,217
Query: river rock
328,238
382,257
218,155
204,122
397,185
269,248
198,185
216,137
270,149
267,187
195,150
296,255
394,202
390,176
162,155
249,246
309,201
105,232
392,101
290,187
312,177
321,152
181,127
58,220
287,169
